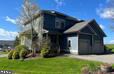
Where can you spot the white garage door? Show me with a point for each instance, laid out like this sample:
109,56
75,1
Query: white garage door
73,44
84,46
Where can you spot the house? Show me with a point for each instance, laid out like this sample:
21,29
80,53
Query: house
68,33
6,44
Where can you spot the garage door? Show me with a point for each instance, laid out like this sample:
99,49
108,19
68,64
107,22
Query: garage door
84,46
98,47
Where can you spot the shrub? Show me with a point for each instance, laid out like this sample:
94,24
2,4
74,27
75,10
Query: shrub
44,52
20,47
45,48
10,54
15,55
23,54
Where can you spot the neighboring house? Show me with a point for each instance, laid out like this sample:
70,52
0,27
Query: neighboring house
6,44
68,33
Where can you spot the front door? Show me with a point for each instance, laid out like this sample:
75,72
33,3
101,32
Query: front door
73,44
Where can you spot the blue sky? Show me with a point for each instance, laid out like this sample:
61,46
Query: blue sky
80,9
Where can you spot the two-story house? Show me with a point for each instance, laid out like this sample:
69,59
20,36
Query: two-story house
68,33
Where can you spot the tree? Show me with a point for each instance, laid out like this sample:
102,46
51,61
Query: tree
28,14
17,41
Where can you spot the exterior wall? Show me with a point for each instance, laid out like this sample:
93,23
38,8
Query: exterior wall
97,39
50,19
27,28
73,44
26,42
37,22
63,42
73,38
96,29
49,22
87,30
96,45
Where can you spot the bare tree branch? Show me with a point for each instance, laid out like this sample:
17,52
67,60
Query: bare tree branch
28,13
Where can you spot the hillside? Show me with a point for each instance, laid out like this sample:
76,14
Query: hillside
110,46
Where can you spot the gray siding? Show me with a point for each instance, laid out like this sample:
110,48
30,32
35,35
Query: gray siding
96,45
87,30
96,29
49,22
63,42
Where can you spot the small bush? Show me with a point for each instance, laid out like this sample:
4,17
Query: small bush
15,55
20,47
23,54
45,48
44,52
10,54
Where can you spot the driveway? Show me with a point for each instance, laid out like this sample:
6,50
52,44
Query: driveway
101,58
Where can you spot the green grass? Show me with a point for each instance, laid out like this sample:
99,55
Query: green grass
58,65
110,46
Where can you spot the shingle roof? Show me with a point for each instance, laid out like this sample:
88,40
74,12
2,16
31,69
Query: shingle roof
77,27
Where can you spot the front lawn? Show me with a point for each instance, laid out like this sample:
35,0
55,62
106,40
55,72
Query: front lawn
57,65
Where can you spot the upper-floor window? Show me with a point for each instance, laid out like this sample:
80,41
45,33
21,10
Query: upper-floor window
59,23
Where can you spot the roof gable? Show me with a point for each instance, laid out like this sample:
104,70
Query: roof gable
94,25
88,30
79,26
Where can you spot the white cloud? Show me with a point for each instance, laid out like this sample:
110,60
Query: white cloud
13,21
102,26
7,35
107,13
59,3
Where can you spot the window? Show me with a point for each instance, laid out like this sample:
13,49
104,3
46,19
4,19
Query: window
59,23
69,43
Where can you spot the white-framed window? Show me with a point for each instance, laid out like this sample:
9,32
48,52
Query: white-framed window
59,23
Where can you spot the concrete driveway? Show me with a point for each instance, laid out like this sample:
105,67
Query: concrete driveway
109,58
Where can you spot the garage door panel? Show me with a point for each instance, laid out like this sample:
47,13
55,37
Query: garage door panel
84,46
98,47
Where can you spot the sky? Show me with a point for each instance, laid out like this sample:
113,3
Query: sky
80,9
